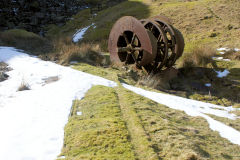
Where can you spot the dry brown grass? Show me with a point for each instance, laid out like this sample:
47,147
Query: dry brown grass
160,80
199,56
66,51
24,86
232,54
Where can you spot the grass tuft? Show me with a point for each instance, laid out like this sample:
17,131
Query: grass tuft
24,86
199,56
67,51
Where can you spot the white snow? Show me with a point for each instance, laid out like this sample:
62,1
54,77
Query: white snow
208,84
32,122
221,74
80,33
62,157
195,108
79,113
236,49
73,62
223,49
222,52
219,58
226,60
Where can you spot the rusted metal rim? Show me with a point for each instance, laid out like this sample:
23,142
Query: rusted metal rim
163,19
129,42
172,44
180,42
178,36
162,42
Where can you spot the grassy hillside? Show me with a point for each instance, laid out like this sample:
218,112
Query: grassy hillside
215,22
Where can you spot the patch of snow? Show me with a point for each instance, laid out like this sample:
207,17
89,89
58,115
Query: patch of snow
236,49
73,62
223,49
222,52
62,157
221,74
226,60
80,33
195,108
32,122
208,84
79,113
219,58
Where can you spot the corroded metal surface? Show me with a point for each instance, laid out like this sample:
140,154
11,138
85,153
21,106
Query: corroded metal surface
151,44
129,42
162,43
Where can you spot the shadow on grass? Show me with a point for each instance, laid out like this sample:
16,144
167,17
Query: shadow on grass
222,90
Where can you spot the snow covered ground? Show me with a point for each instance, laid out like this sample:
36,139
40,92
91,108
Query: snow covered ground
221,74
32,121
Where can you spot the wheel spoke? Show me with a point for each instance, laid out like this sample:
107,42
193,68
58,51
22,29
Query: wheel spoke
134,57
160,38
137,49
126,39
133,39
122,49
151,28
127,58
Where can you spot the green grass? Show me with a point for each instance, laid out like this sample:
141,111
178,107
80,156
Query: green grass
114,73
100,132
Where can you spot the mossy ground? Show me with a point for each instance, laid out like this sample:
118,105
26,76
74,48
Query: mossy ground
122,125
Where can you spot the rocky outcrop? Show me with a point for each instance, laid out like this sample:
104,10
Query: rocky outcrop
3,69
34,15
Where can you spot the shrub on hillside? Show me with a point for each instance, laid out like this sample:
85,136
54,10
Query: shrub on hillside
159,81
84,52
25,40
199,56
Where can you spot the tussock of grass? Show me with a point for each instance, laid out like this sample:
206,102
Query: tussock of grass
25,40
160,80
199,56
66,51
24,86
232,54
100,132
